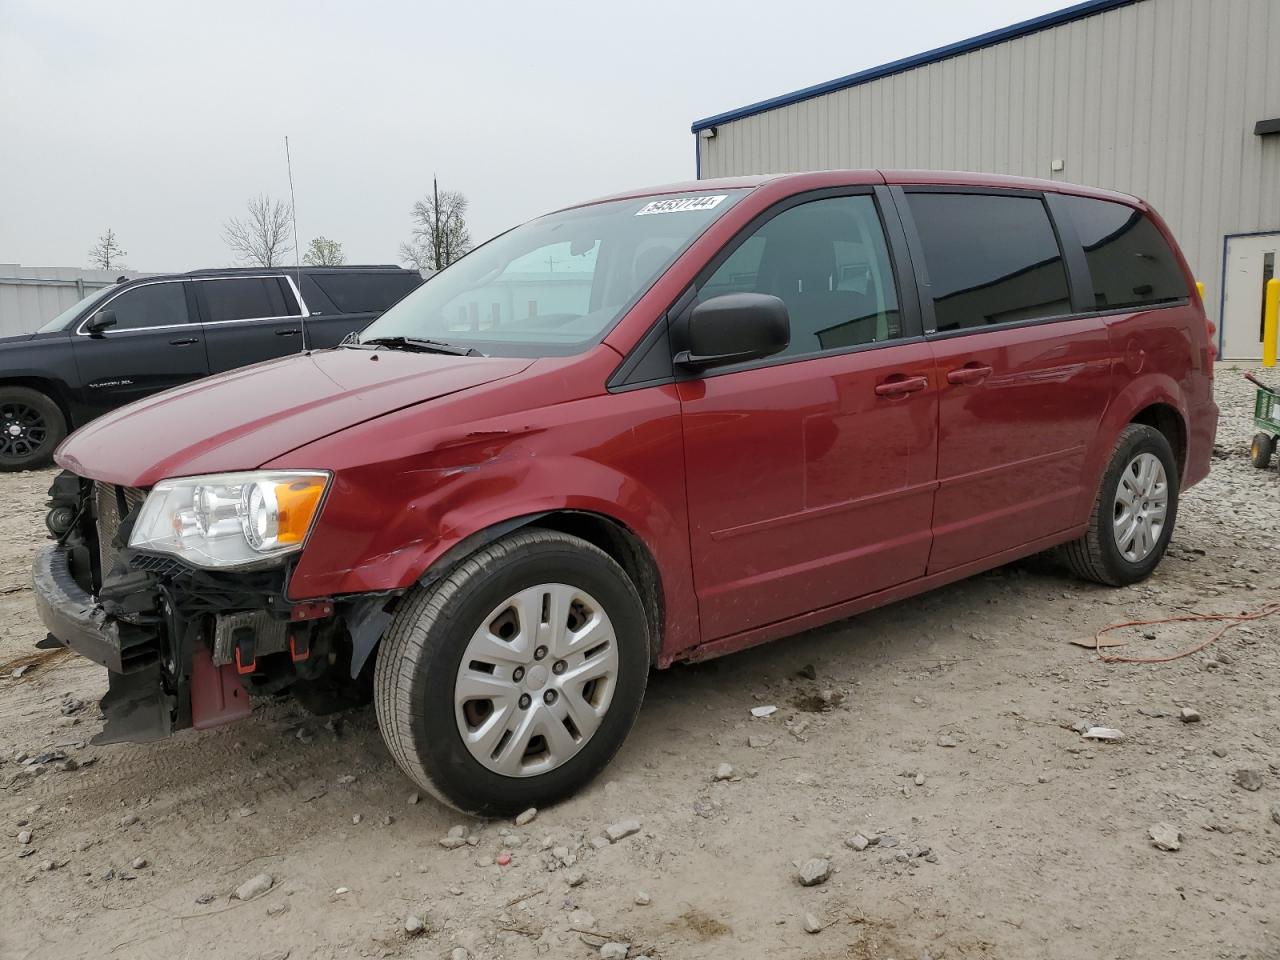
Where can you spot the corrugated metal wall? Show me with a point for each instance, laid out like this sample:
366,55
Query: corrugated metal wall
1157,99
31,295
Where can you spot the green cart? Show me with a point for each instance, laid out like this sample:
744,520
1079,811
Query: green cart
1264,418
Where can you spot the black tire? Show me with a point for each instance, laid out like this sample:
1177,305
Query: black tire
1261,449
1096,556
419,657
31,427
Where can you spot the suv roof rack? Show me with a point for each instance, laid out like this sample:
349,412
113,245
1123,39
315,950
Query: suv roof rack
289,268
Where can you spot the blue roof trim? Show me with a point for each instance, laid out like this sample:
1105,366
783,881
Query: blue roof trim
1044,22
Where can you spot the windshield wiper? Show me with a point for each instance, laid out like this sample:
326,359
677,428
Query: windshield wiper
419,345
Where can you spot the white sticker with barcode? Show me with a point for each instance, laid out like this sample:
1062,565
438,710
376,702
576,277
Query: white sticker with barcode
680,204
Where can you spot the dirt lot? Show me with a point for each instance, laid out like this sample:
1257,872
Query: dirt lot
939,727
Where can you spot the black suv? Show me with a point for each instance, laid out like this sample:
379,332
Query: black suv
126,341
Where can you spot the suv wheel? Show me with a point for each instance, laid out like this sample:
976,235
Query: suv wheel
1134,513
512,682
31,427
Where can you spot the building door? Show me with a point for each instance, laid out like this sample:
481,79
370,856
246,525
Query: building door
1251,262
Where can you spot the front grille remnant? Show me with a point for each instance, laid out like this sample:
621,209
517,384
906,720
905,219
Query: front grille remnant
110,499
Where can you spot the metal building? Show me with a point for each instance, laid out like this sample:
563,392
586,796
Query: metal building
1175,101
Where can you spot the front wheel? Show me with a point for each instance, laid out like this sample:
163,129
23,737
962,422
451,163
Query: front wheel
1134,513
31,427
513,681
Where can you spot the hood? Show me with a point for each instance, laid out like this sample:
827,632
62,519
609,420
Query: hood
242,419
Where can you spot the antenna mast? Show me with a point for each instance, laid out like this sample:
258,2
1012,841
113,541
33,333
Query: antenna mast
297,261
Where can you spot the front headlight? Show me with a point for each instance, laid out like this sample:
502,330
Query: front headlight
230,519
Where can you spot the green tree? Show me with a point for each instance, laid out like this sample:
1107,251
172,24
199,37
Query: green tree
323,252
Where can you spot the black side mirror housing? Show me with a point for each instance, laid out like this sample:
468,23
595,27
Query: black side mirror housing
735,327
100,321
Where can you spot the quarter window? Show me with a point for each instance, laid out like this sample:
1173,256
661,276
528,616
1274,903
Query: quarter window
246,298
991,259
827,260
1130,263
365,292
151,305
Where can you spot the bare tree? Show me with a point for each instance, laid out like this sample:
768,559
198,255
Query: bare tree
106,253
262,238
324,252
440,234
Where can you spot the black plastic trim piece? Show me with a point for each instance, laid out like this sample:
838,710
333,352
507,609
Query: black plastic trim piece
1079,277
637,369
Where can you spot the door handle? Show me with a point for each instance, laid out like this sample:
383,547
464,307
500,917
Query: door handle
184,341
900,388
292,332
967,375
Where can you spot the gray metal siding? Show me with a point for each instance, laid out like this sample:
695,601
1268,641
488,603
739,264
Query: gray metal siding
1157,99
29,296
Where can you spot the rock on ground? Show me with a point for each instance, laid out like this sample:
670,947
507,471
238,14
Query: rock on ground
1164,836
254,887
814,872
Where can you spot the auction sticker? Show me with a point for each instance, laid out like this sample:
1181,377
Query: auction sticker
680,204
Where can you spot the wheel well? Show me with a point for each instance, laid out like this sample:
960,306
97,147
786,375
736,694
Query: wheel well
630,553
48,388
1168,421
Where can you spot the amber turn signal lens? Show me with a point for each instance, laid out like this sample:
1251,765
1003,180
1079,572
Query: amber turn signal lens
296,505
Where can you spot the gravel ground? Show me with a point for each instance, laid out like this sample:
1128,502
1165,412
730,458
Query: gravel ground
936,732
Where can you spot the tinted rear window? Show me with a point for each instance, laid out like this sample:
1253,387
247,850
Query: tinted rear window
246,298
365,292
991,259
1130,262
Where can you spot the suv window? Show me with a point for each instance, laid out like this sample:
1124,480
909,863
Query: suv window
1130,263
991,258
151,305
246,298
827,260
365,292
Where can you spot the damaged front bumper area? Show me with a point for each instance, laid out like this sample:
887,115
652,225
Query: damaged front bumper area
135,705
184,647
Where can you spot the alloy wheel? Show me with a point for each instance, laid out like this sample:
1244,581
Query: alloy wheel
22,431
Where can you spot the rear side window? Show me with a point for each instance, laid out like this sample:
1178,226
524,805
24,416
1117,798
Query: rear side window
1130,263
365,292
991,259
151,305
246,298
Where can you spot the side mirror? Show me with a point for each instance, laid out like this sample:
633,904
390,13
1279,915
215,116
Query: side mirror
100,321
735,327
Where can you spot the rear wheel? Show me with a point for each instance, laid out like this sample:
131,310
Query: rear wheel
31,427
1134,513
1261,449
512,682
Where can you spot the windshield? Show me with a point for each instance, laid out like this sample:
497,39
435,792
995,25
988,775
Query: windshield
556,284
65,317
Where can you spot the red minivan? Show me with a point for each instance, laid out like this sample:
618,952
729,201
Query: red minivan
661,426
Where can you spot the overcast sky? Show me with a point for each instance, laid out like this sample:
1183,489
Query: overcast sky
160,119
